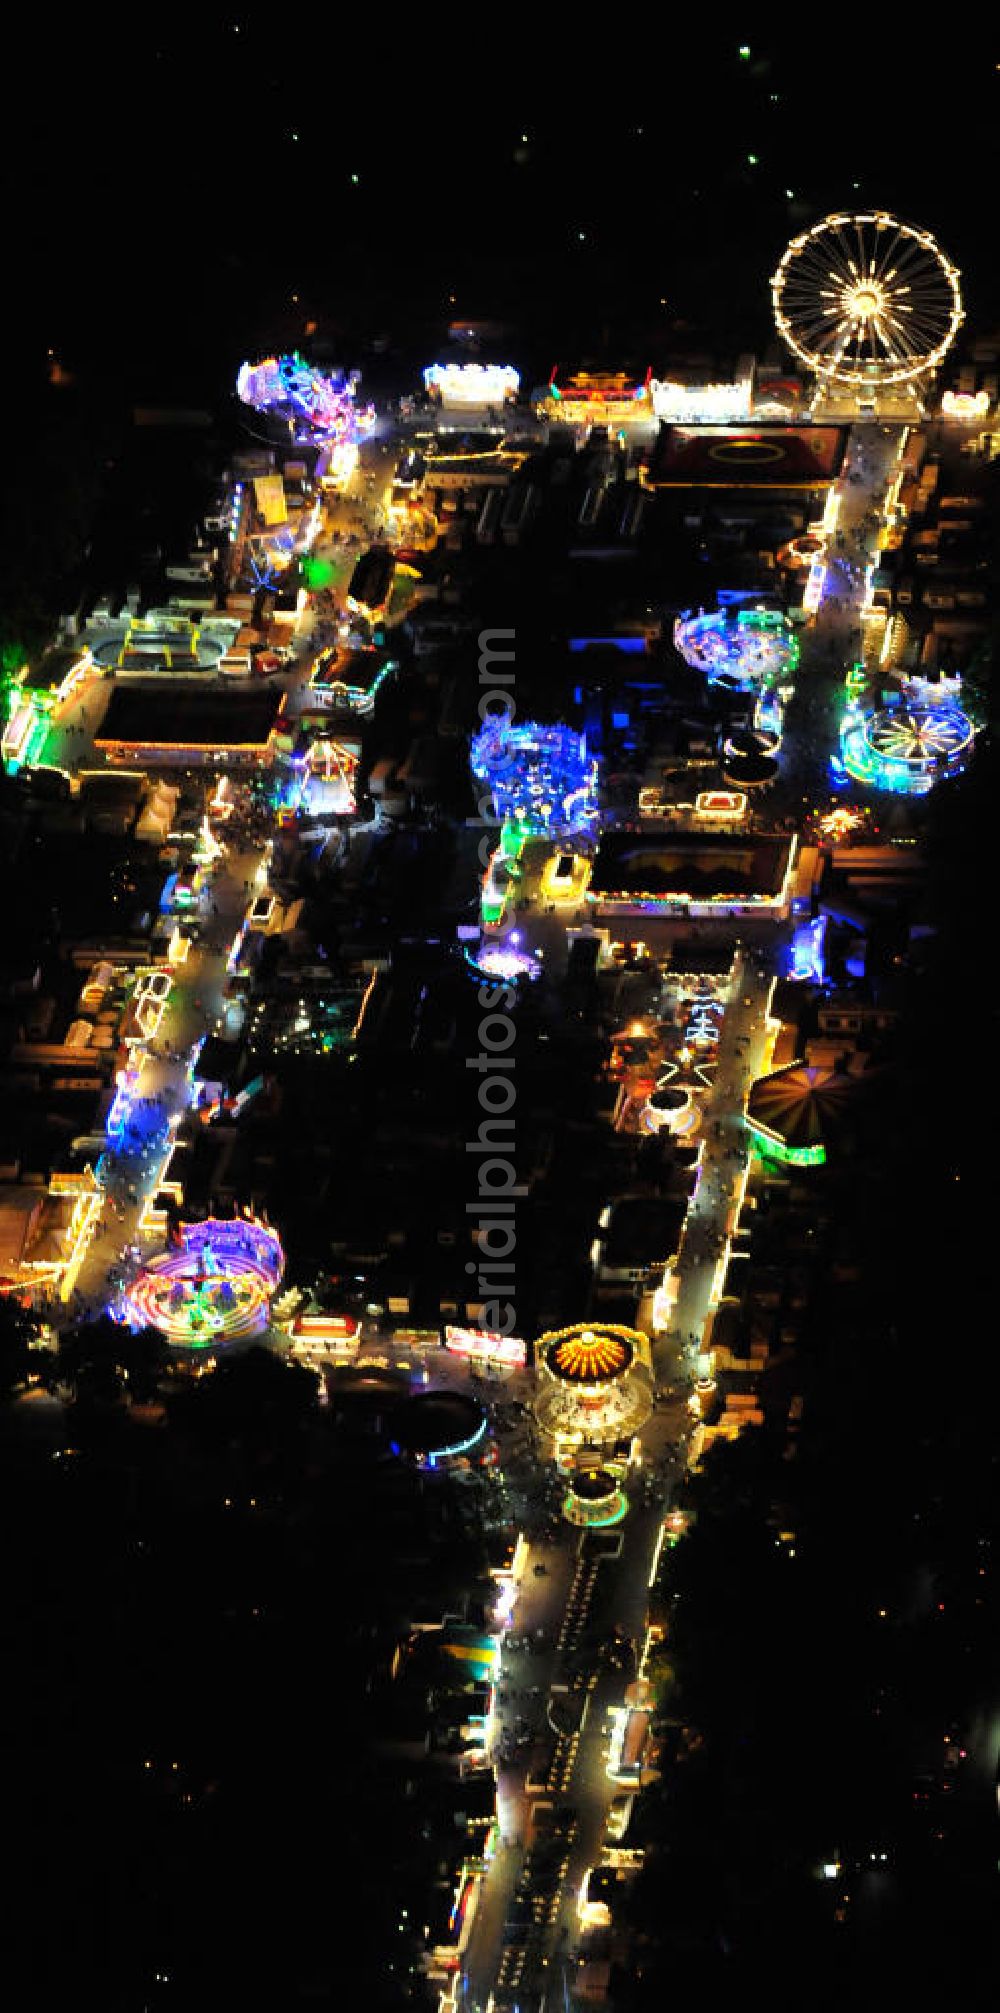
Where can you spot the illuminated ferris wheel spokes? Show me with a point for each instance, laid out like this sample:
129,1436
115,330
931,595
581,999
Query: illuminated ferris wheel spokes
865,299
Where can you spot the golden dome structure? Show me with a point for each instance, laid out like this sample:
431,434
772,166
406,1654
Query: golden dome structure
594,1384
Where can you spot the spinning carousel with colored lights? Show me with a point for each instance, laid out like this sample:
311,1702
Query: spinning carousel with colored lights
213,1286
907,744
594,1385
744,648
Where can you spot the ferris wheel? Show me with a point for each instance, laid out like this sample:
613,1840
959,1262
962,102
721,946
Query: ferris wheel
866,300
926,738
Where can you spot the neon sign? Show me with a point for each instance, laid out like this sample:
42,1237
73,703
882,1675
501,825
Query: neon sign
482,1345
720,804
541,776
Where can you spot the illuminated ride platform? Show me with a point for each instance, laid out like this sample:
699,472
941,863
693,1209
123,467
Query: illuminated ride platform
164,642
594,1384
442,1429
670,1107
747,760
743,648
905,745
594,1499
213,1286
541,777
323,777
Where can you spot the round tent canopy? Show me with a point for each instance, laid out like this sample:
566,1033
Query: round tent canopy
748,772
594,1499
746,744
595,1383
668,1098
797,1113
589,1355
595,1485
435,1424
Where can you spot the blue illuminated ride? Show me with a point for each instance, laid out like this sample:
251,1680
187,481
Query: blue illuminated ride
805,960
541,778
213,1283
906,744
743,648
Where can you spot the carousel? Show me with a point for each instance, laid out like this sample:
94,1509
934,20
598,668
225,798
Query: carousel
594,1386
213,1284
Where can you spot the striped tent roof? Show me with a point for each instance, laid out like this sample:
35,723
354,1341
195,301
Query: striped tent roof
804,1105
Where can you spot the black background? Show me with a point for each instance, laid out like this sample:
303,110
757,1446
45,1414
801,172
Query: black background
160,215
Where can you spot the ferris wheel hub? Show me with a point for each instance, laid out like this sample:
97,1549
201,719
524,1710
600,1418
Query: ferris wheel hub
865,302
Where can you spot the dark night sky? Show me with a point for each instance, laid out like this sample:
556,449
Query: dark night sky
162,209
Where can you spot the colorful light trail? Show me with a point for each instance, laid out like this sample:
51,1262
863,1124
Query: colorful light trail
216,1284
